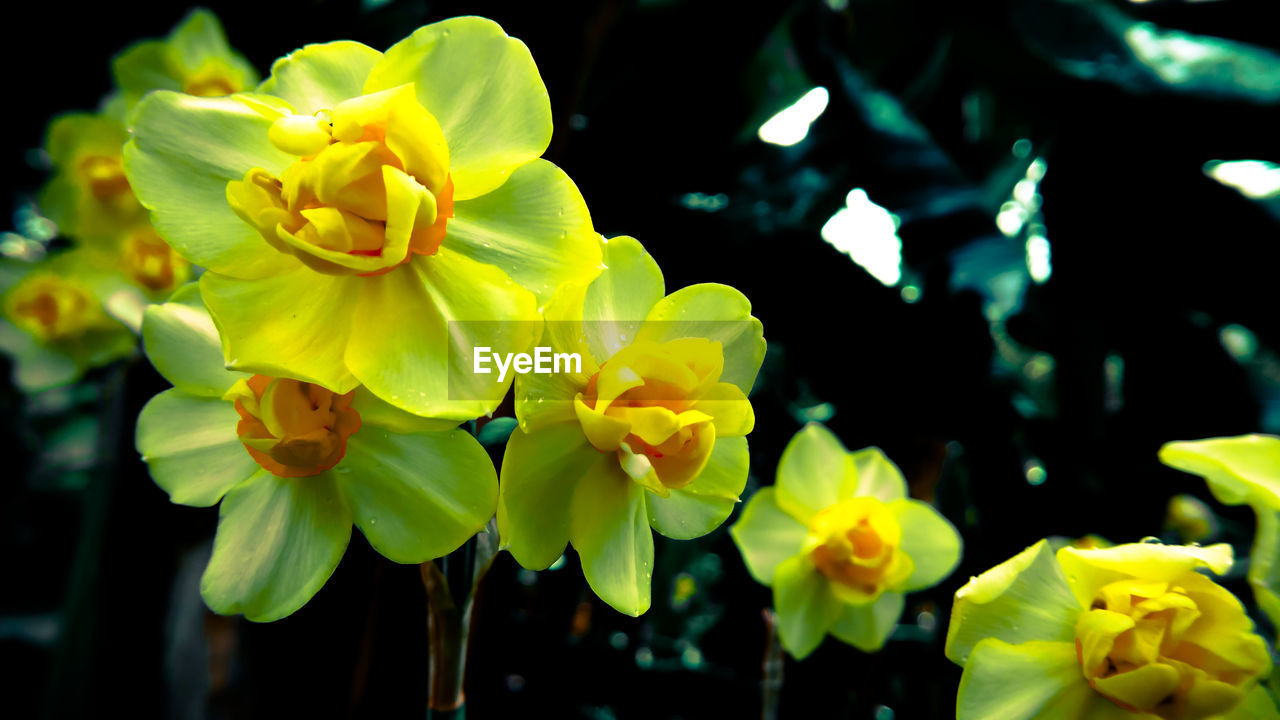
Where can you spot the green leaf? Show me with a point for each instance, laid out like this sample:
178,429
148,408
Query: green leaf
536,228
278,541
318,77
292,325
806,607
609,528
183,153
182,343
929,539
701,506
766,535
191,446
813,468
866,627
485,90
540,471
417,497
496,431
1025,598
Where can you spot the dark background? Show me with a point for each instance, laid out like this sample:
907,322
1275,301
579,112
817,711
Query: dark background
1084,375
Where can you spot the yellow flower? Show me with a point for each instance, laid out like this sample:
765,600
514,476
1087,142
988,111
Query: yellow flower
841,543
1131,631
195,59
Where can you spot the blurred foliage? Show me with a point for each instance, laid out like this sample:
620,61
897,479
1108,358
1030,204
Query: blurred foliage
1079,280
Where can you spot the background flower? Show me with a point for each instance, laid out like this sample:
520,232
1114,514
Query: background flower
841,543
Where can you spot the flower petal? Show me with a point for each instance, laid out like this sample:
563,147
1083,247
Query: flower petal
805,605
1238,469
1040,680
876,477
182,343
1088,570
384,415
420,324
766,535
319,76
813,467
866,627
535,227
292,325
183,153
618,300
1023,599
701,506
609,528
485,90
929,539
1264,564
715,312
1257,705
191,446
540,471
278,541
730,408
417,497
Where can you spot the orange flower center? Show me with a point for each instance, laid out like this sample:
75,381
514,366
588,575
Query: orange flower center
52,308
293,428
104,175
150,262
854,543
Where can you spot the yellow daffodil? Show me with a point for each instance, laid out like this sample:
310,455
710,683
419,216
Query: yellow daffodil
294,464
1130,632
89,197
1243,470
841,543
649,432
359,203
54,326
194,59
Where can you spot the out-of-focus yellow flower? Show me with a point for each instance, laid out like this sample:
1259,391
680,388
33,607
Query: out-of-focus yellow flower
841,543
194,59
89,197
1126,632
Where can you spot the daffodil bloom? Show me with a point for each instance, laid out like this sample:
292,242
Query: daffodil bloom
294,464
841,543
359,203
1243,470
650,434
89,197
195,59
1129,632
54,326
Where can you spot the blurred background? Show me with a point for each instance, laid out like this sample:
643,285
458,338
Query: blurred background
1016,244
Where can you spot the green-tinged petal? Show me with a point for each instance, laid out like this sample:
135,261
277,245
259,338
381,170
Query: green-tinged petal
805,605
813,467
199,41
766,535
1264,564
384,415
278,541
144,66
292,325
1088,570
182,342
540,471
1238,469
866,627
419,326
929,539
730,409
183,153
715,312
485,90
417,497
191,446
701,506
535,227
1257,705
1030,681
318,77
1022,599
876,477
609,528
544,399
616,303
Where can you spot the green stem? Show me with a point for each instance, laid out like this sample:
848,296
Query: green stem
774,661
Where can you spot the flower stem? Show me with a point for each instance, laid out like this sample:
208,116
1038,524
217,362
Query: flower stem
771,687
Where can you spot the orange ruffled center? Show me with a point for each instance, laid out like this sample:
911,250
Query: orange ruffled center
293,428
1148,646
652,404
53,308
854,543
369,190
